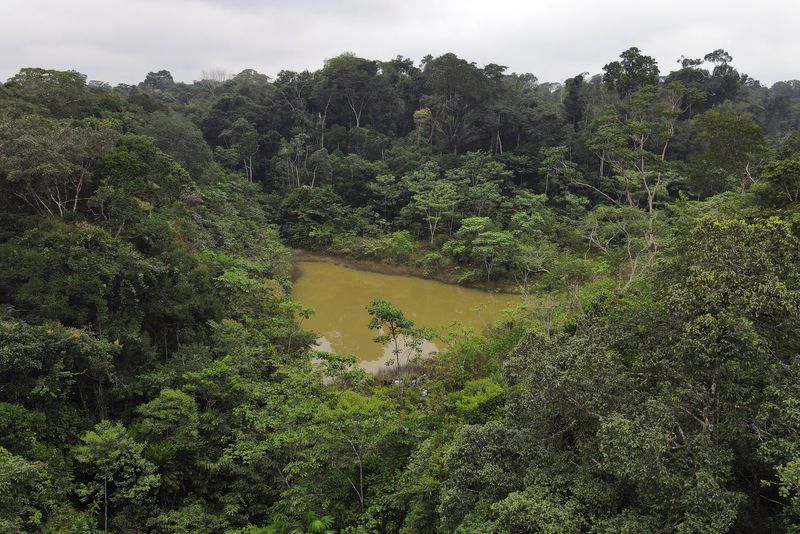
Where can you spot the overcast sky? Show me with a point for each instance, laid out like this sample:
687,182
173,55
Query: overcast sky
120,41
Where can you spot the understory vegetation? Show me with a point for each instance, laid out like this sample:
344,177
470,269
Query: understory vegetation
155,377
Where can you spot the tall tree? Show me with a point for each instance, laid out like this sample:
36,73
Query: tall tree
116,473
48,165
634,71
732,147
352,83
456,89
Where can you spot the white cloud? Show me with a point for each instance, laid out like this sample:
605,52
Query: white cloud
120,41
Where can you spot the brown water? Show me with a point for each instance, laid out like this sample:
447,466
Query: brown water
340,295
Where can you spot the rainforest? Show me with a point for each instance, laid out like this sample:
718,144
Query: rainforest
399,296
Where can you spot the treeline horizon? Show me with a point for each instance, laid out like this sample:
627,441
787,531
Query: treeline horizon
221,73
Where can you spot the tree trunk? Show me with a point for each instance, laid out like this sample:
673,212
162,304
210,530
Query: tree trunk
105,504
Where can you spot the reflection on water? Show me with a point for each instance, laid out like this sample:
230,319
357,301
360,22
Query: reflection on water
341,294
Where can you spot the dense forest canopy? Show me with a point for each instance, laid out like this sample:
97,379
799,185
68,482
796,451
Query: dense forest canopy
155,375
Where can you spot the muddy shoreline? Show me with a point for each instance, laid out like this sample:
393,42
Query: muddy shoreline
375,266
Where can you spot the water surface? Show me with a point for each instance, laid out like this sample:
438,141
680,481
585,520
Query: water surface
340,295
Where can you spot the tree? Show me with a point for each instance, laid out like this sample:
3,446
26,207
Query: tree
719,57
242,138
574,100
213,79
301,164
351,432
493,247
633,72
137,167
555,166
49,164
396,331
636,144
79,275
529,259
732,146
479,240
782,173
116,472
351,82
435,200
169,425
311,216
160,80
27,490
349,174
61,94
778,419
621,235
479,178
456,90
387,190
48,366
178,136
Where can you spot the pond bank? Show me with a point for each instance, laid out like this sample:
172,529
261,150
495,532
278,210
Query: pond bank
380,267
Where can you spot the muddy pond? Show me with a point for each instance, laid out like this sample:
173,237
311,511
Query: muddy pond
340,294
